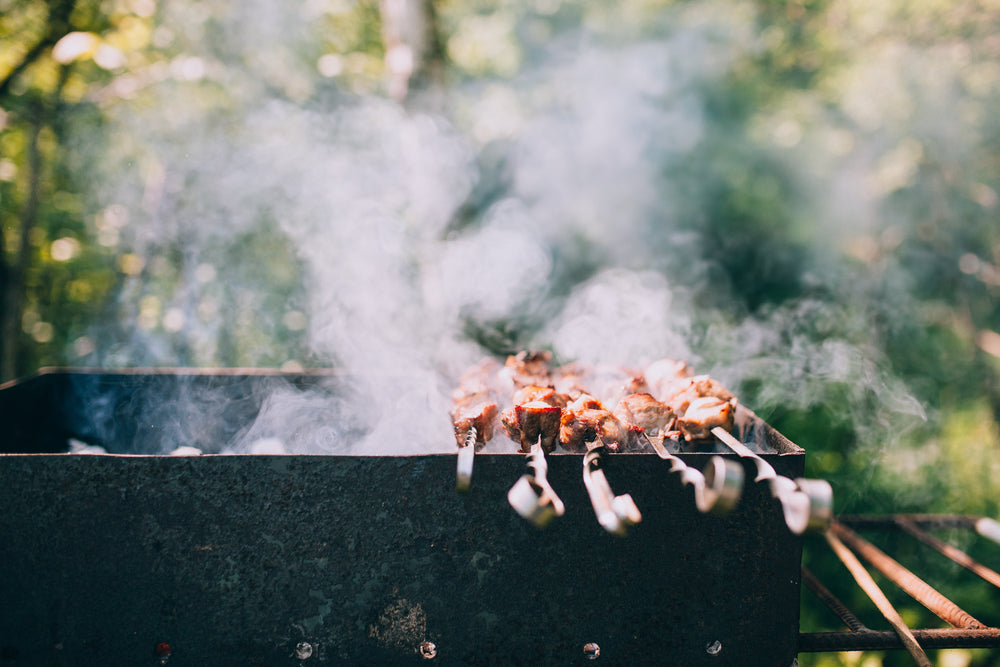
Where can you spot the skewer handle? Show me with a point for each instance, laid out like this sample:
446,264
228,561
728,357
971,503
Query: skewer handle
807,504
717,490
764,469
616,514
466,460
532,496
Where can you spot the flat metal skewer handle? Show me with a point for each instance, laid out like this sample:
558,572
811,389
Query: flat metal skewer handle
532,496
616,514
807,504
717,489
466,460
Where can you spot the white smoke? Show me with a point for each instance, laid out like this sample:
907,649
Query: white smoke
366,193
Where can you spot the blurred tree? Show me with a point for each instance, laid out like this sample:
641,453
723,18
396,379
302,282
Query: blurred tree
414,55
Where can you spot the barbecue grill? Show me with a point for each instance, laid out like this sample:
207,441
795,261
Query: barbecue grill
139,558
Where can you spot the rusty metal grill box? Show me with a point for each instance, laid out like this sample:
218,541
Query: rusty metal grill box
303,559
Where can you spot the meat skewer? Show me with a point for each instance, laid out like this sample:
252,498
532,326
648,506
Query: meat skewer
466,461
552,406
527,368
807,504
717,489
616,514
535,424
474,425
532,496
474,416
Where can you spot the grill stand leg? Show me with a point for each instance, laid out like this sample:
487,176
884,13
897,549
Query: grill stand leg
871,589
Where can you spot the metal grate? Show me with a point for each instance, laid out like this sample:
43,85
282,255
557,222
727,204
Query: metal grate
965,631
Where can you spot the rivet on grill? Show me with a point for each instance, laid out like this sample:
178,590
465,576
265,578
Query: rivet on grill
715,648
163,651
303,650
428,650
591,651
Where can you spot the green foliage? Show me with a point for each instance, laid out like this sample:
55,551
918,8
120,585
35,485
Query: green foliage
841,196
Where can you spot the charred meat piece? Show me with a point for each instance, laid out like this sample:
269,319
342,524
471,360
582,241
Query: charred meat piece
570,380
700,386
705,413
644,411
605,381
528,368
586,402
636,385
526,423
475,412
474,403
662,376
578,427
543,394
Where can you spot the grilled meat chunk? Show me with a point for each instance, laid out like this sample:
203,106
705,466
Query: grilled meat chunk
473,411
586,402
689,389
644,411
526,423
543,394
527,368
474,402
661,376
570,380
636,385
580,426
705,413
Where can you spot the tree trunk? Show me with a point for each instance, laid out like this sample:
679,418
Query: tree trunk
414,55
14,272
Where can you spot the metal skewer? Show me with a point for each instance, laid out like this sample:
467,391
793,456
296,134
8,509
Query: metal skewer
466,459
717,489
532,496
807,504
616,514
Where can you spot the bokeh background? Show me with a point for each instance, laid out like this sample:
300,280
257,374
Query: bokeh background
798,197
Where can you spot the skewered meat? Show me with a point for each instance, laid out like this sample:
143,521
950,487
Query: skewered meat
636,385
687,390
703,414
644,411
578,427
528,368
543,394
473,411
570,380
568,404
662,377
526,423
586,402
474,403
605,381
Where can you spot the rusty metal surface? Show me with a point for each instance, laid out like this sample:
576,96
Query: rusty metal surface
831,601
874,640
955,554
246,559
917,588
969,633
